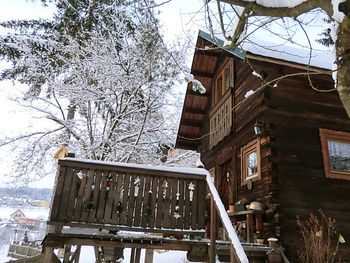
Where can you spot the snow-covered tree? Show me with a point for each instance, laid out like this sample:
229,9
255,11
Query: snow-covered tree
239,19
100,73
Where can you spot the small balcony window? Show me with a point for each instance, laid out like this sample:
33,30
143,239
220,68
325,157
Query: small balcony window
336,153
250,155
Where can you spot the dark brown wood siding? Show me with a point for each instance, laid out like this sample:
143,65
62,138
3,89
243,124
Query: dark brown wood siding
296,112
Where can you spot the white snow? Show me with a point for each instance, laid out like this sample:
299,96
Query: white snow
183,170
289,53
277,3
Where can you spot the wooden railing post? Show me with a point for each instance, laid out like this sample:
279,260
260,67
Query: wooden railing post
213,223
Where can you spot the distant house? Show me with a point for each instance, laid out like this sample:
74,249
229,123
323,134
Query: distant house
18,213
284,144
30,223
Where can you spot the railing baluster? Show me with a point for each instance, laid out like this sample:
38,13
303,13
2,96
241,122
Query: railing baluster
82,175
139,195
65,194
87,202
110,188
146,208
56,203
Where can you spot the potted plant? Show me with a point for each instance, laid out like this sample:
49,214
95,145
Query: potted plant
274,255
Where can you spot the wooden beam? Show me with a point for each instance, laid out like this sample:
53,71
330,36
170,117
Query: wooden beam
194,110
194,123
202,74
208,52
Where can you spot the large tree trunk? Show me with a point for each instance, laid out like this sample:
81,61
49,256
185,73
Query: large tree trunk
343,61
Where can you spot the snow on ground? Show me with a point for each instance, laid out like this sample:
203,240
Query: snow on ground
160,256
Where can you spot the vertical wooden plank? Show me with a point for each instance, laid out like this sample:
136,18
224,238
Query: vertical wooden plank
101,199
79,202
72,196
138,255
146,205
117,199
249,227
201,203
131,200
180,220
168,208
67,252
95,195
149,256
152,200
48,254
110,198
213,219
87,202
194,214
160,201
65,194
124,199
187,219
57,193
139,201
173,202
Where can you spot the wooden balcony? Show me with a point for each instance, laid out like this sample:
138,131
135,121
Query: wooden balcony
128,196
220,120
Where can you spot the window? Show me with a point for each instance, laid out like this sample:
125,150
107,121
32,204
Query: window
223,81
250,155
336,153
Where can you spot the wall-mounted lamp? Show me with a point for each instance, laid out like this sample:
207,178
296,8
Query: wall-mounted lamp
258,128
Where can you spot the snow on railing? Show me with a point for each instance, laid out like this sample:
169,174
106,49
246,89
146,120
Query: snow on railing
235,243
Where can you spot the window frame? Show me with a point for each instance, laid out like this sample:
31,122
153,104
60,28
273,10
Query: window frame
338,136
253,146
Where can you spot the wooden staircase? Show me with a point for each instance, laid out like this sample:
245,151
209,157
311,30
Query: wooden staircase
115,205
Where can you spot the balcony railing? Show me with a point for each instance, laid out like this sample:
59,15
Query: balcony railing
220,120
128,196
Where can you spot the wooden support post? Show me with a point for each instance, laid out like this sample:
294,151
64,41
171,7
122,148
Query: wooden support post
250,227
48,254
76,255
138,255
149,256
67,249
132,256
213,219
97,254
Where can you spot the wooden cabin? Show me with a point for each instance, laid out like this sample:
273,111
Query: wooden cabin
297,161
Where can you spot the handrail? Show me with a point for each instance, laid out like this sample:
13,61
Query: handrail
236,246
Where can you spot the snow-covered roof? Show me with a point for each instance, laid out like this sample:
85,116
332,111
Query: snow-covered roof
288,53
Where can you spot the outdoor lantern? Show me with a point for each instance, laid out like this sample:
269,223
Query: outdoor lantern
258,128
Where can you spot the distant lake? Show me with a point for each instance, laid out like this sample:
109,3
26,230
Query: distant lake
29,211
